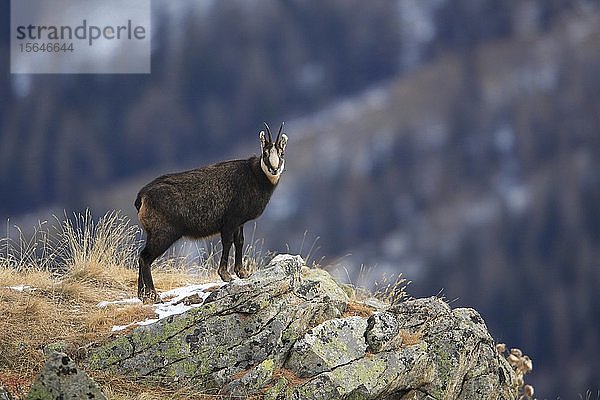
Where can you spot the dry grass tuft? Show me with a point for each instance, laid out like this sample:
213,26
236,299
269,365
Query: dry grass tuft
51,283
91,246
103,319
388,288
391,289
15,383
355,309
117,387
522,365
289,376
410,338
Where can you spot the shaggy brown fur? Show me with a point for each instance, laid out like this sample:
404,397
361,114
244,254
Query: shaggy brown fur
202,202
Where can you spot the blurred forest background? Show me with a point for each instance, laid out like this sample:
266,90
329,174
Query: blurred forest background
457,142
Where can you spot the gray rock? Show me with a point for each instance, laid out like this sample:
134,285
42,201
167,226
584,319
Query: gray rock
382,329
372,377
281,334
327,346
376,304
4,395
431,352
61,379
238,326
252,381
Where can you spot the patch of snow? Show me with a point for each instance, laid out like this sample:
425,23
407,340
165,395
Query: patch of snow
104,304
481,211
21,288
175,305
417,22
517,198
504,139
178,294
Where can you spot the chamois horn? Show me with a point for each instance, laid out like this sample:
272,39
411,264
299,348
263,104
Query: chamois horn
268,132
279,133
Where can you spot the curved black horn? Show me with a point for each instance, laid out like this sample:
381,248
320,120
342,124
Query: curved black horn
279,133
268,132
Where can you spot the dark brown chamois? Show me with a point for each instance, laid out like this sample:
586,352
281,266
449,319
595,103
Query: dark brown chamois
202,202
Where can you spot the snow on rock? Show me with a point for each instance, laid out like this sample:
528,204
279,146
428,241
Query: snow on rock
176,301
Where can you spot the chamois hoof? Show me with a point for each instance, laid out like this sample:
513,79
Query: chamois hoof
242,272
149,296
225,275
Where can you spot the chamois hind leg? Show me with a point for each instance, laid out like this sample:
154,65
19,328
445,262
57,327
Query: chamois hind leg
156,244
238,240
226,241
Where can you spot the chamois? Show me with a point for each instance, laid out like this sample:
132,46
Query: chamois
202,202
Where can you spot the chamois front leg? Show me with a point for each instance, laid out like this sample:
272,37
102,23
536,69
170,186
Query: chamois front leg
238,240
226,241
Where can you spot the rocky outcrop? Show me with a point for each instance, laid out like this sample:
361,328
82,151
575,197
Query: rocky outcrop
286,333
4,395
61,379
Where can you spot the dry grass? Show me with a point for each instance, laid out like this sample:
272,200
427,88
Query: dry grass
64,269
410,338
356,309
388,288
117,387
289,376
391,289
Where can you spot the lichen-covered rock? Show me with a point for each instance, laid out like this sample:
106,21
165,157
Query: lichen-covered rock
424,350
55,347
239,326
382,329
458,343
281,334
327,346
61,379
373,377
252,381
4,395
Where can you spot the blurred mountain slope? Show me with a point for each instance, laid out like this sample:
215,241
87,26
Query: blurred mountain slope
477,174
220,68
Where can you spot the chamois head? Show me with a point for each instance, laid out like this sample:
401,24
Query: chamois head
271,160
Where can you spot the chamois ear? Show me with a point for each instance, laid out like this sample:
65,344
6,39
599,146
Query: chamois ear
283,142
262,139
